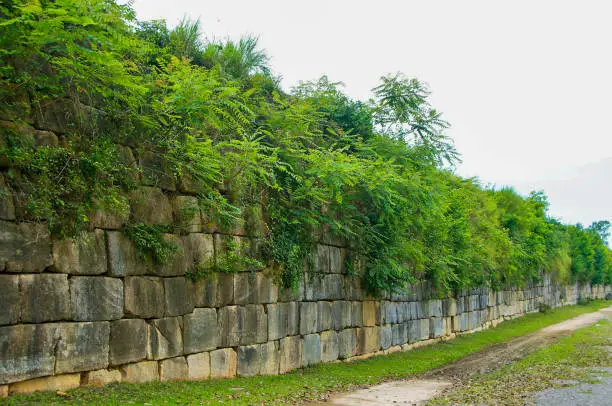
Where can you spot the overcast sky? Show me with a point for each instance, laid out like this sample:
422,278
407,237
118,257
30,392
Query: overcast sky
526,85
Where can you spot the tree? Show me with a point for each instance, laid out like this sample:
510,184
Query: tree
602,228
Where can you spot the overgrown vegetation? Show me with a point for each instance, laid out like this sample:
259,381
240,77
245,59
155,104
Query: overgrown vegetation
311,383
376,174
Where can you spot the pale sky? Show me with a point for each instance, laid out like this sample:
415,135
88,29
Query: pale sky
526,85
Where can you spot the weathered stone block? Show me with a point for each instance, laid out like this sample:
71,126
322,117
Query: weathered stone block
399,334
145,371
336,259
270,358
347,343
352,288
369,313
449,307
199,250
173,369
254,324
101,377
356,314
388,311
198,366
436,327
178,298
418,330
128,341
230,326
201,332
311,351
249,360
329,346
322,261
290,353
402,310
267,291
49,383
9,299
7,205
24,247
150,206
44,297
341,314
123,257
245,288
386,336
308,317
325,320
165,338
144,297
334,286
96,298
27,351
292,294
186,212
434,308
315,287
368,340
223,363
107,219
84,255
82,346
283,320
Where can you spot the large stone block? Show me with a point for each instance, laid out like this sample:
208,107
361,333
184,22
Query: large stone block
270,358
334,286
436,327
315,287
128,341
267,291
356,314
201,332
198,366
254,322
150,206
101,377
27,351
337,257
178,298
368,340
418,330
325,320
347,343
283,320
83,255
173,369
353,289
322,261
156,170
249,360
245,288
229,325
402,310
386,336
215,290
96,298
308,317
223,363
311,351
123,256
449,307
342,312
9,299
290,353
165,338
49,383
186,212
144,297
199,250
44,297
329,346
399,334
24,247
82,346
433,308
140,372
370,312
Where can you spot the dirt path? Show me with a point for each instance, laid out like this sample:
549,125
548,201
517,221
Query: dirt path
417,391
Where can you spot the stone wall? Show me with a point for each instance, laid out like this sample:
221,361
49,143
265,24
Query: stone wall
90,311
